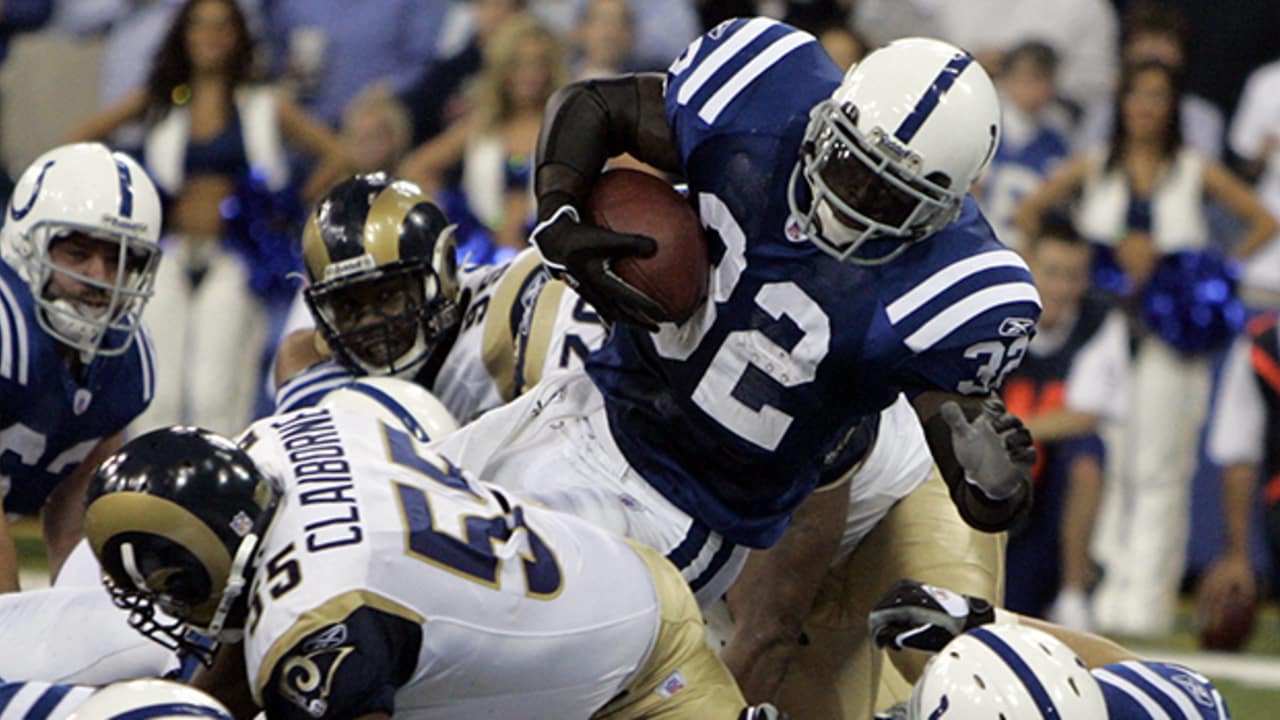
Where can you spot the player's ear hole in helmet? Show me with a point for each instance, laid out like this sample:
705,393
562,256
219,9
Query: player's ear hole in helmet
886,161
175,517
381,261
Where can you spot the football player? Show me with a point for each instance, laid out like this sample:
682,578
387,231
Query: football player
79,253
388,300
993,661
849,265
517,324
357,574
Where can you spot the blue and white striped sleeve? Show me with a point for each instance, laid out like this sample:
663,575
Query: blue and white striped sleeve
309,387
1147,690
967,324
710,86
40,700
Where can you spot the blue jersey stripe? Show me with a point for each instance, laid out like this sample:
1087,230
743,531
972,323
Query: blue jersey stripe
1024,673
169,710
932,96
718,560
43,707
301,390
406,418
7,693
688,549
1120,693
1149,688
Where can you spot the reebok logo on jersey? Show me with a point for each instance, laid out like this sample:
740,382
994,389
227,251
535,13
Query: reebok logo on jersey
672,685
330,638
1015,326
1195,689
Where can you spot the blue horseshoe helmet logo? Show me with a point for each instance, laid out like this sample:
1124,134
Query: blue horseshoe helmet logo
17,213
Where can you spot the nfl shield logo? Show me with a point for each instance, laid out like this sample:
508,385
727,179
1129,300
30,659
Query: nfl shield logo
81,401
672,685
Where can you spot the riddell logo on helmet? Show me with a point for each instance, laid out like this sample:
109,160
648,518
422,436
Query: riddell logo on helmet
116,222
355,265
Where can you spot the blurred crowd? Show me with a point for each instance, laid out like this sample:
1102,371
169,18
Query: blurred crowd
1138,174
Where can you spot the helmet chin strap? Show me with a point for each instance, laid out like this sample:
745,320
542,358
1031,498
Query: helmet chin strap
75,328
235,585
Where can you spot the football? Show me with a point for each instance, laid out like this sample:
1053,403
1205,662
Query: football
1229,632
630,201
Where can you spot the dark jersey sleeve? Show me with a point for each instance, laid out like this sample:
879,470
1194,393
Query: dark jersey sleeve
345,670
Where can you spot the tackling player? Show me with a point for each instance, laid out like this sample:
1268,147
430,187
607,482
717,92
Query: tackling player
79,248
357,574
388,300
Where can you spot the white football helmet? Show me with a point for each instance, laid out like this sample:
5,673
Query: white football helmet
399,403
1008,672
149,700
892,153
88,188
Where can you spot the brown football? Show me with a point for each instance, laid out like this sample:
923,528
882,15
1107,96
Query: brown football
630,201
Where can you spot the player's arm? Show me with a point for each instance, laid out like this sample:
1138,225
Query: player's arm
226,680
8,556
916,616
297,353
775,591
1239,198
350,667
585,124
62,518
984,453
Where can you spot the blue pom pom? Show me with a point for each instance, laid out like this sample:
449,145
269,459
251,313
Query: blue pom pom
1191,302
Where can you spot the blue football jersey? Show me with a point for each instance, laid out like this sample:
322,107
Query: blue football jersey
1016,171
732,414
50,419
1145,690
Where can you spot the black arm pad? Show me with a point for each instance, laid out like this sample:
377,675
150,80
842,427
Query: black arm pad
979,511
590,121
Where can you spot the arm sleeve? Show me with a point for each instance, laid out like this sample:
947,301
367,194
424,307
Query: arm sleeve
344,670
1238,419
1097,381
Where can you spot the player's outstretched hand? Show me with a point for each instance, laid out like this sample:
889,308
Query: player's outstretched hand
995,449
579,254
923,617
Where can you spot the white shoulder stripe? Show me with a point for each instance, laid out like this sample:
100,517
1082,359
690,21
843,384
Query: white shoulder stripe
950,320
1154,711
1171,691
20,351
147,354
721,55
741,79
7,345
948,276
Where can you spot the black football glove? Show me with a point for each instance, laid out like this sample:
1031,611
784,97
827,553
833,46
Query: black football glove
579,254
924,617
995,449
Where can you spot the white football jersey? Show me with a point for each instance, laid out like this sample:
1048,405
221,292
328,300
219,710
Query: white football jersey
518,325
391,580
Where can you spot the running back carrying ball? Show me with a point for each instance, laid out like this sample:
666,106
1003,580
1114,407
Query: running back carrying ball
630,201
